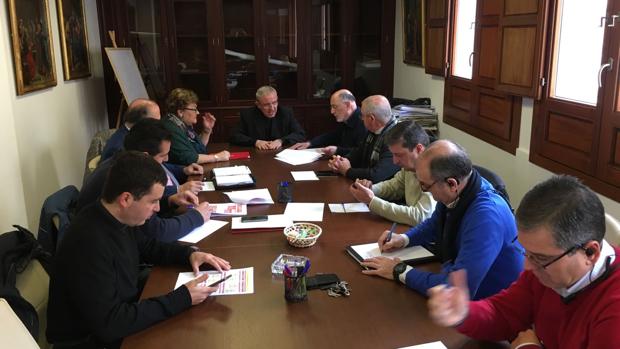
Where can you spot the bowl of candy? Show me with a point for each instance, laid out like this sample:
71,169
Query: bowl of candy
302,234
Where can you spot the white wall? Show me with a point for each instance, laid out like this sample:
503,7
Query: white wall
45,134
520,174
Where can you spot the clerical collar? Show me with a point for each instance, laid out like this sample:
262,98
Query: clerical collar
599,269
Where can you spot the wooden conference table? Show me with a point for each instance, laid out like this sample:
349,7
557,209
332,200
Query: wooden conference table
379,313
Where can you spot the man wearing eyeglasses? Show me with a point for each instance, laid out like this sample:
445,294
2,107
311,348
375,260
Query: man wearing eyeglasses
569,294
267,126
471,228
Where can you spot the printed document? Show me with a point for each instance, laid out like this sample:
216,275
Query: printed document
240,282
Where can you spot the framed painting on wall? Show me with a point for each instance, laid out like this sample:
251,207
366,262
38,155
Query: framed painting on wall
413,32
73,39
31,38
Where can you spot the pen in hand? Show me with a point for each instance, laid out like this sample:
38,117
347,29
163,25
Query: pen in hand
388,238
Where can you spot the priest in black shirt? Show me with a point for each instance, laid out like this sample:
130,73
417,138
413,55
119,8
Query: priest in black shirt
94,298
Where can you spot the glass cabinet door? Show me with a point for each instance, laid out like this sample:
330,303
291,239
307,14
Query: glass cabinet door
192,47
366,48
145,39
239,50
326,48
281,46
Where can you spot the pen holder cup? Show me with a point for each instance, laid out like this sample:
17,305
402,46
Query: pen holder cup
295,288
302,234
285,192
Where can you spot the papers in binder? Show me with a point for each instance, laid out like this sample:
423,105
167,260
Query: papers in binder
411,254
250,197
298,157
231,171
273,222
232,176
240,282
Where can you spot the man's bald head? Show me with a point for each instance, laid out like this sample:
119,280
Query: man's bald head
342,105
445,159
139,109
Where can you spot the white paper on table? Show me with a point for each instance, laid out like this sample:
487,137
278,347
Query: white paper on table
231,171
298,157
353,207
433,345
304,176
409,253
228,209
302,211
273,221
208,186
253,196
241,281
234,180
203,231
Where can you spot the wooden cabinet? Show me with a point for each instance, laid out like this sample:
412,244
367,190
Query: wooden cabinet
225,50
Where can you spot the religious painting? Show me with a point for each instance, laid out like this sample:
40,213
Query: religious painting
413,29
73,39
33,54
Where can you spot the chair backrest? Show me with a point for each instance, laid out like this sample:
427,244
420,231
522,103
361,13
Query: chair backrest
612,230
496,181
96,148
59,206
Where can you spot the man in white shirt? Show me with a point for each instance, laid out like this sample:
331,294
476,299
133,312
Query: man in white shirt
399,199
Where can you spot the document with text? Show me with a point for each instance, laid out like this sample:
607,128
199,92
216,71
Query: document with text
241,281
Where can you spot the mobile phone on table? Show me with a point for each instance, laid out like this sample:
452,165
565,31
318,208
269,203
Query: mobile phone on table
252,219
325,173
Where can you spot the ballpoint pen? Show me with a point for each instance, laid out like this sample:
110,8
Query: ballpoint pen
389,235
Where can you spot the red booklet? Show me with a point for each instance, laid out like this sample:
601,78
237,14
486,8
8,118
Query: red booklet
240,155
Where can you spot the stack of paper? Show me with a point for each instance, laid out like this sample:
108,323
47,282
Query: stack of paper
228,209
233,176
298,157
273,222
250,197
304,176
349,208
301,211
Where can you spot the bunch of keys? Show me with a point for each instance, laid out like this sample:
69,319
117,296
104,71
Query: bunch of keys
339,289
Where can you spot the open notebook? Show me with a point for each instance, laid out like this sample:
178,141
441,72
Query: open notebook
409,255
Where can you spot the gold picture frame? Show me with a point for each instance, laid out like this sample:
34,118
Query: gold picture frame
413,32
73,39
31,38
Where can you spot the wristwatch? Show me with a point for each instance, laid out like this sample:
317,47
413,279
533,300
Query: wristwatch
398,269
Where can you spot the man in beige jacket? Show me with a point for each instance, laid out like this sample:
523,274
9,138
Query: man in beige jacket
399,199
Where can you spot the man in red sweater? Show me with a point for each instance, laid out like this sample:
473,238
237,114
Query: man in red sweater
569,294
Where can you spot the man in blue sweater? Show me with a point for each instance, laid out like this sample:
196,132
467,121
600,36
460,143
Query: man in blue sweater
472,228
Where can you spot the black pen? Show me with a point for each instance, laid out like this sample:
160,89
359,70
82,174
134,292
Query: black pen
389,235
220,280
